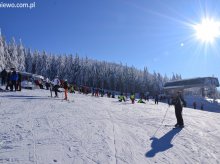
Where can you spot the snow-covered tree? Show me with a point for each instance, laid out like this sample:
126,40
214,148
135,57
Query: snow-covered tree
12,58
28,60
21,57
82,71
2,54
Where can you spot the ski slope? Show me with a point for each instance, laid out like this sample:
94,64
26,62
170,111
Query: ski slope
35,128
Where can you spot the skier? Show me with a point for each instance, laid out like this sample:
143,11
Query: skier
65,86
56,83
40,83
108,94
19,82
113,94
194,105
96,92
178,103
132,97
47,83
156,99
202,106
93,91
14,79
147,97
4,76
102,92
8,81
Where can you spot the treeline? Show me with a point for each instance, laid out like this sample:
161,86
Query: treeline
81,71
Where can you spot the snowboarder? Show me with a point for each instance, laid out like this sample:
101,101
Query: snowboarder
178,103
4,76
121,98
132,97
56,83
141,101
65,86
72,89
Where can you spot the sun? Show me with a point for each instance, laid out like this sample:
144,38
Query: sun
208,30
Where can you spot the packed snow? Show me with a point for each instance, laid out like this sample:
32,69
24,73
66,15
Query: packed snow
42,130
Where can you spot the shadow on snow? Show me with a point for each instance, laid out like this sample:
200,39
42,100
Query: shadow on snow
163,143
24,97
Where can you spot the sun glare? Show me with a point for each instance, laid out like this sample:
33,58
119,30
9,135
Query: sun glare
208,30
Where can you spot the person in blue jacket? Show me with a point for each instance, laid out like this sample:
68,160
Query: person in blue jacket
14,79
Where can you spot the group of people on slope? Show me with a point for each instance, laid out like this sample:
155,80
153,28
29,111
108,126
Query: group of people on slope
195,105
177,101
121,98
11,79
56,84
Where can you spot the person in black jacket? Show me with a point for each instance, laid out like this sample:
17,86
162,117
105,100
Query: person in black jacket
8,81
156,99
65,86
4,76
178,103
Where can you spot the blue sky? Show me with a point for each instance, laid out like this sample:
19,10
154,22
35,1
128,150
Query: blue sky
152,33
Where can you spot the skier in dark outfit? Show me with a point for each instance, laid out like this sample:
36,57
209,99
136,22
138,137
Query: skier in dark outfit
156,99
8,81
65,86
56,83
178,103
4,76
19,82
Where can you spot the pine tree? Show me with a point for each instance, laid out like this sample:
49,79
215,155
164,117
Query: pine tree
28,60
21,57
13,55
2,56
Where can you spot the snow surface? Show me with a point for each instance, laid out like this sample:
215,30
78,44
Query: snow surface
38,129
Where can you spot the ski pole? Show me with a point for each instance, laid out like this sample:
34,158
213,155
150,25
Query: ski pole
161,122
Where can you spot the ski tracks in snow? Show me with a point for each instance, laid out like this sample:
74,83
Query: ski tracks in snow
38,130
114,134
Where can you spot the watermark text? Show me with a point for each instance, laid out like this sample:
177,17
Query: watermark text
17,5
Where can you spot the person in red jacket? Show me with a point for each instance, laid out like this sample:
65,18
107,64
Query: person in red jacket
65,86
